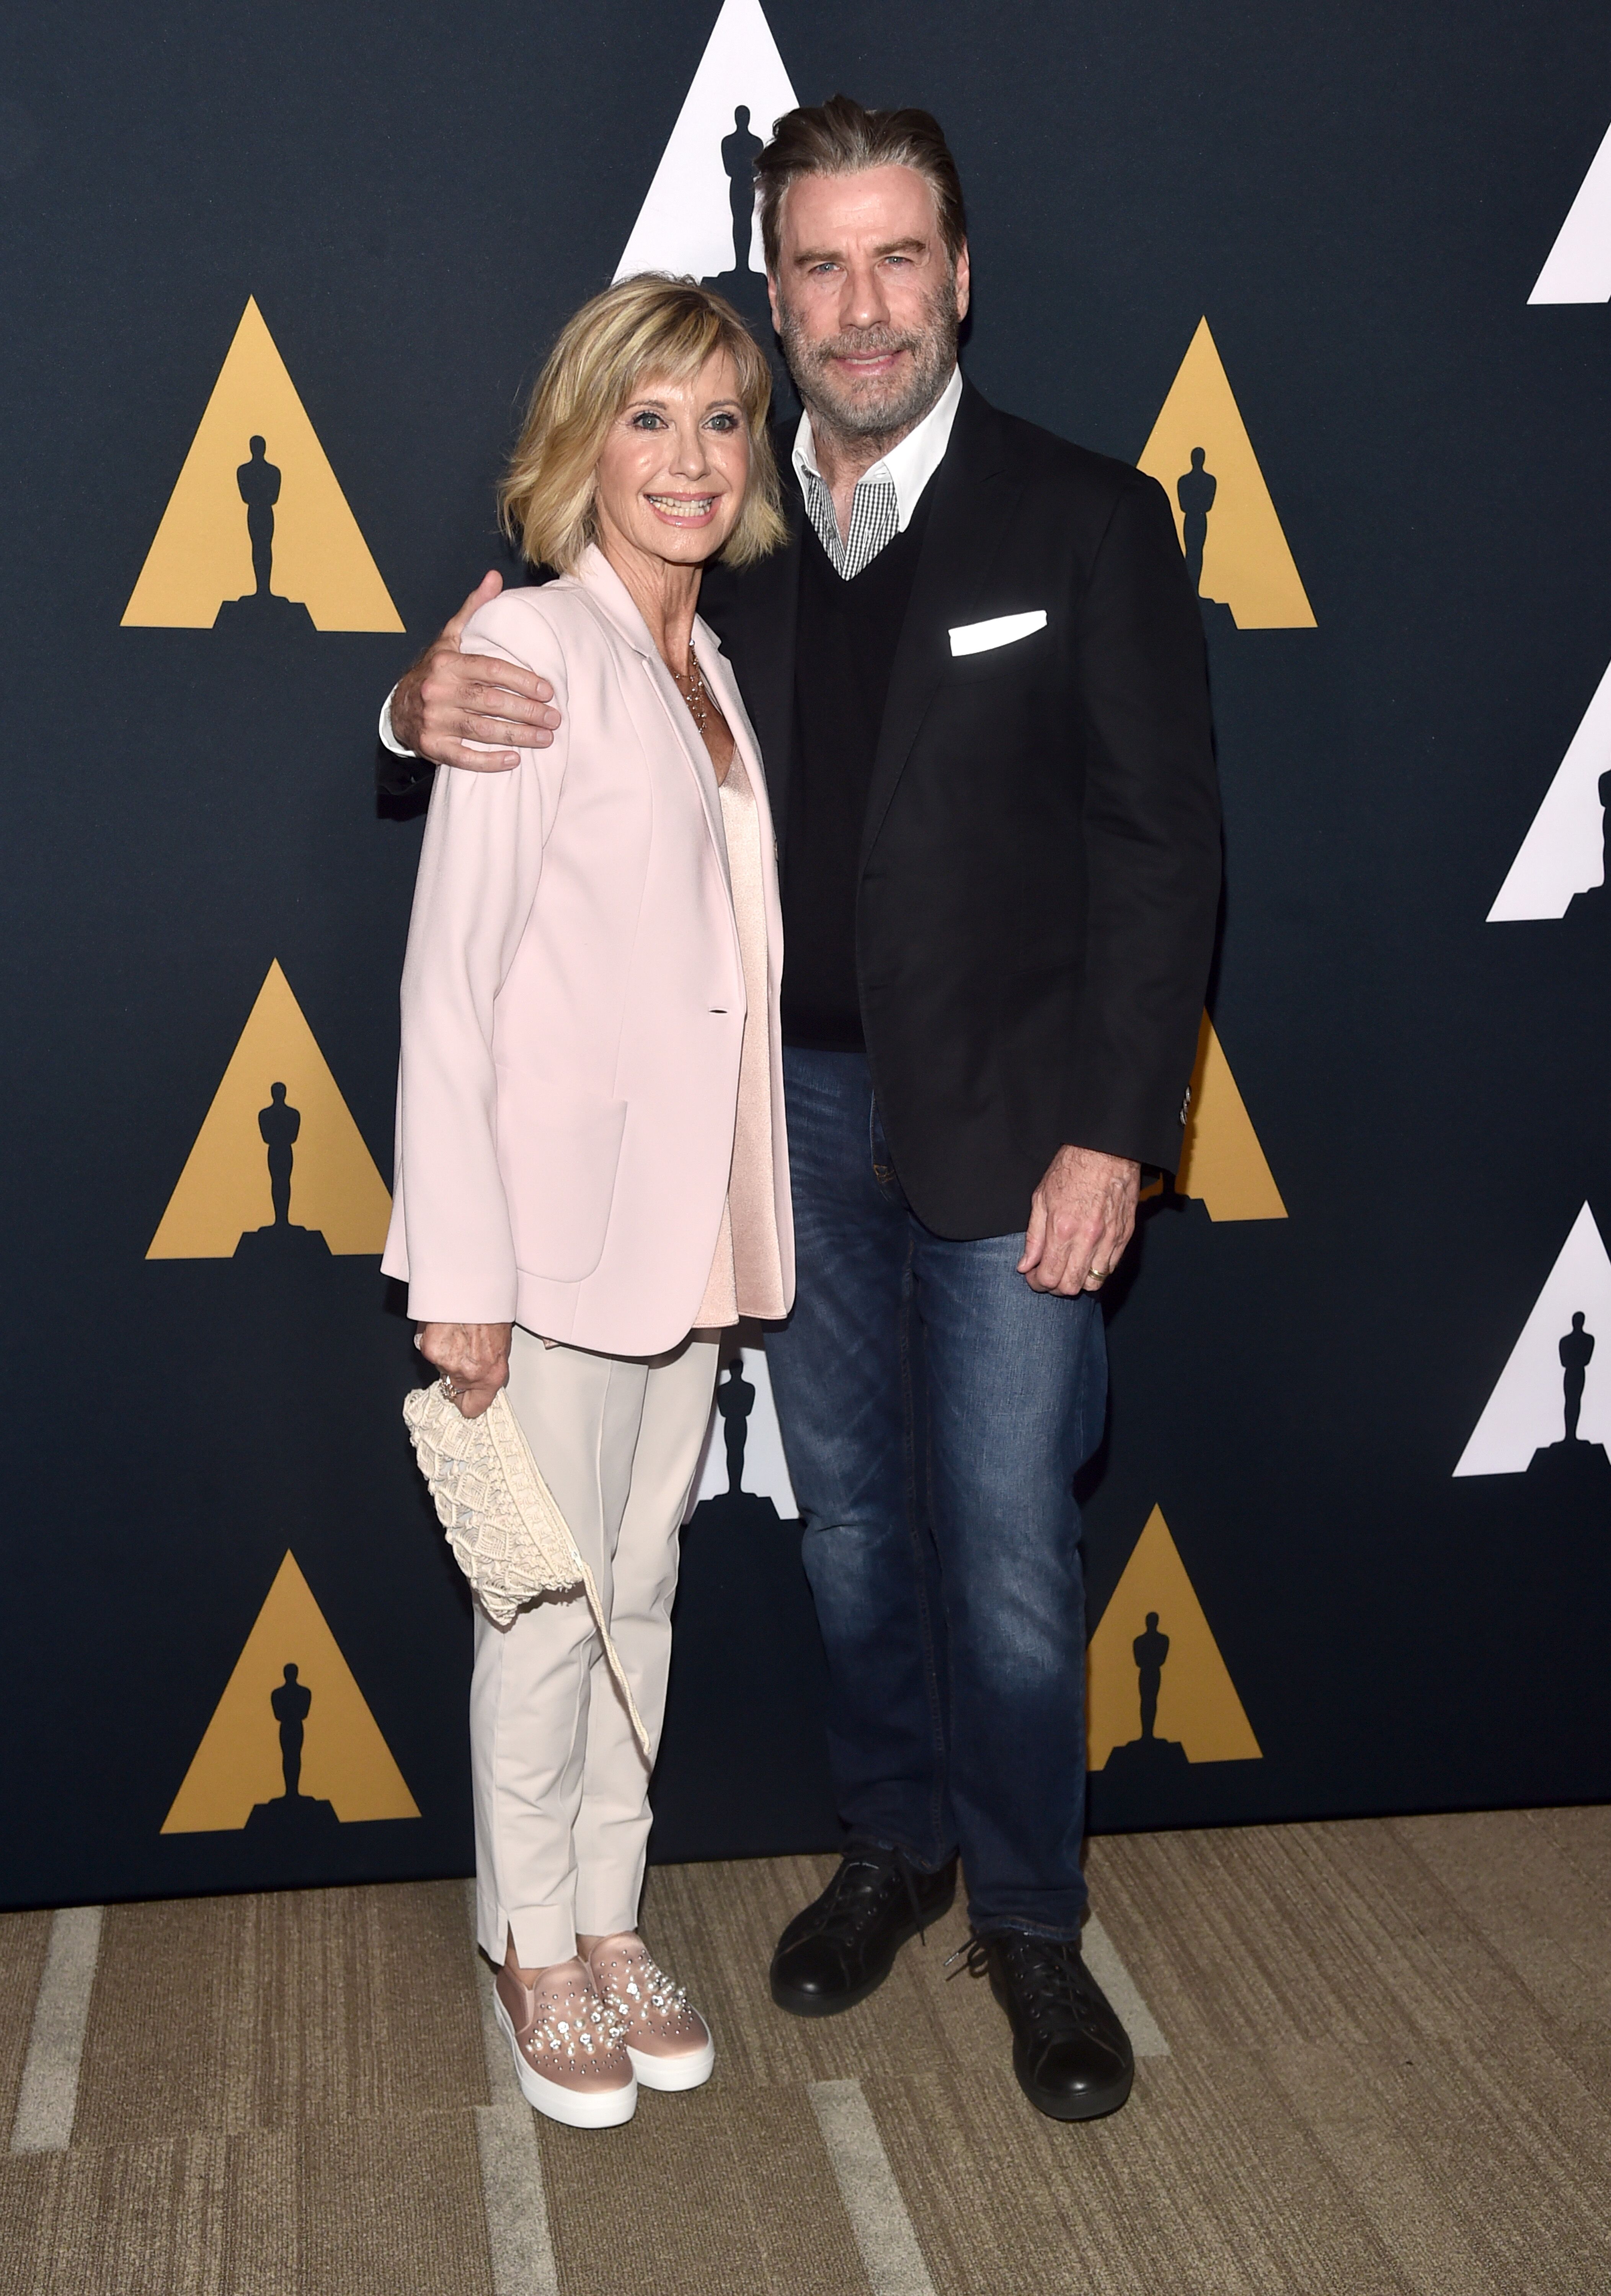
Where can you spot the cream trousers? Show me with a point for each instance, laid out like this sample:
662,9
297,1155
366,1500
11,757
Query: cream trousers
562,1792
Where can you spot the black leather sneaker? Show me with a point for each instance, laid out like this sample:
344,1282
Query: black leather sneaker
842,1947
1071,2056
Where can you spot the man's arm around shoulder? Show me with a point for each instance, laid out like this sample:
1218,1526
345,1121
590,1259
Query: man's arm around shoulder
451,698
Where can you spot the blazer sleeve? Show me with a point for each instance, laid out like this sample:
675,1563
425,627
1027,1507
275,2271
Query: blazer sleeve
481,865
1151,835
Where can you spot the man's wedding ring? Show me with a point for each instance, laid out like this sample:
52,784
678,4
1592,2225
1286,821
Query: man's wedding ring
1098,1276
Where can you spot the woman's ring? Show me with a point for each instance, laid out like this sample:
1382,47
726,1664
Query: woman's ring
450,1390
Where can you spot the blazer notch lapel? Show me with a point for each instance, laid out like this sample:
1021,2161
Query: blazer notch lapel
757,621
967,520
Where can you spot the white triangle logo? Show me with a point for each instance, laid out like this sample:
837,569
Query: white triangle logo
763,1471
1564,851
1578,269
1526,1410
687,223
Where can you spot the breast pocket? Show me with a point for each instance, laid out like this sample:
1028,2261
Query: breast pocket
984,651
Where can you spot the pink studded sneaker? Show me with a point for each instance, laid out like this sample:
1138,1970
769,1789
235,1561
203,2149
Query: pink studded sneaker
669,2042
569,2047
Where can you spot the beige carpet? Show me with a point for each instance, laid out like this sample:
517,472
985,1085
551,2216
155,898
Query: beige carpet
1388,2069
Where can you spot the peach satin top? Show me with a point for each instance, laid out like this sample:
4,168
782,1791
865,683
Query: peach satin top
747,1274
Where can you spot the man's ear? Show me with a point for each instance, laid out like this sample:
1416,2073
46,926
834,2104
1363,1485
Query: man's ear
772,299
964,281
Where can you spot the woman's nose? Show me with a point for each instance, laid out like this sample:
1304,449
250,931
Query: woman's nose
691,457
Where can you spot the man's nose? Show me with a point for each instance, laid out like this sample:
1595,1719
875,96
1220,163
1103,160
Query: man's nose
864,303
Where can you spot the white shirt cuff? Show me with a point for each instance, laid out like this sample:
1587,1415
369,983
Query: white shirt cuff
387,735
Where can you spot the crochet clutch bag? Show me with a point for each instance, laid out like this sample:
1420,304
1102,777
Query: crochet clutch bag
508,1535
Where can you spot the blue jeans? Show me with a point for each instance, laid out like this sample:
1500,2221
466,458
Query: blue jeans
935,1411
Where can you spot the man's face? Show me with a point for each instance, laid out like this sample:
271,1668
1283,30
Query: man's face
866,299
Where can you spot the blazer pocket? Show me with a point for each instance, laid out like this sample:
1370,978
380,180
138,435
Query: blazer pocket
559,1166
1009,645
1000,630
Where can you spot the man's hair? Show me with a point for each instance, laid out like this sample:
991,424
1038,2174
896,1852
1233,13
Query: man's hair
841,137
644,329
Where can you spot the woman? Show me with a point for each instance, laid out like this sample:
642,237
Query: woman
591,1173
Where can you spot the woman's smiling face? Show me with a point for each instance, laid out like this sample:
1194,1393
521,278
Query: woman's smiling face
675,467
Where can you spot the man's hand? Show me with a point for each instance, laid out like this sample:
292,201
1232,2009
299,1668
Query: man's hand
475,1357
449,699
1080,1217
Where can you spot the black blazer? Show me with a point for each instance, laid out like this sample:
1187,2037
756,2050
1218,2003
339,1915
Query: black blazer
1040,861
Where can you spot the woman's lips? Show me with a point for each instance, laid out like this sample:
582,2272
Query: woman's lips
683,510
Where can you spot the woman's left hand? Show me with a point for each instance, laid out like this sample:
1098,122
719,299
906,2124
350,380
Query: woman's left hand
474,1357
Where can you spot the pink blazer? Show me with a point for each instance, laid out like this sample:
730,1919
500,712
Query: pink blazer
573,999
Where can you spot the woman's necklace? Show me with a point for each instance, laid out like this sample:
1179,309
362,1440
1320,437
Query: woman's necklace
691,685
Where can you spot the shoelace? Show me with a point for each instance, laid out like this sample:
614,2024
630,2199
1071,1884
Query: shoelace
1048,1975
841,1920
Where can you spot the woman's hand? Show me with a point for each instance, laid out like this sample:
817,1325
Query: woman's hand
475,1357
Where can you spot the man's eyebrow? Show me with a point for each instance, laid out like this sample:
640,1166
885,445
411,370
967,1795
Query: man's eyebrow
889,247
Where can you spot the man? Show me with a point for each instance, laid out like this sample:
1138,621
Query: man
977,674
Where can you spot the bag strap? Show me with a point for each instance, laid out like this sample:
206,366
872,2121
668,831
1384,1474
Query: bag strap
527,1486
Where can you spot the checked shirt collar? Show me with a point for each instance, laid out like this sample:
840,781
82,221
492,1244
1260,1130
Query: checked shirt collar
885,495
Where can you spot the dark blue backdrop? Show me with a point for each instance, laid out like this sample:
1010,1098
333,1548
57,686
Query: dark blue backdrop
1359,197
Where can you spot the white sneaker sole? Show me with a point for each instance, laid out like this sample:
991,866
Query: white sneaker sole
576,2108
691,2071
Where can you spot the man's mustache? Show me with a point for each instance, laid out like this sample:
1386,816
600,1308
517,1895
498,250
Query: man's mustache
869,342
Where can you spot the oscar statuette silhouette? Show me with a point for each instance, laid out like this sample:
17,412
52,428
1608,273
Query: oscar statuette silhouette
258,481
1196,491
735,1401
291,1816
744,288
1148,1758
280,1126
1573,1465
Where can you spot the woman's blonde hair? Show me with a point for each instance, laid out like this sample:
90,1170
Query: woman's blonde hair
646,328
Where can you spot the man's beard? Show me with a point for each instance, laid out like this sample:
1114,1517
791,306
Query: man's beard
881,407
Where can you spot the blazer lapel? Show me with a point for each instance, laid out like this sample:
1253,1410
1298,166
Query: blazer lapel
609,595
972,503
755,613
724,684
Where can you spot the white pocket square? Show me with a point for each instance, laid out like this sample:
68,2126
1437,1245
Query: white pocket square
979,637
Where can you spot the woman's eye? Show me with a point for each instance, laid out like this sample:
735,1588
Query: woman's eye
724,422
645,419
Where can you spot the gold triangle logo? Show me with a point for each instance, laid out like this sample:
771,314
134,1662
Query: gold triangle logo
1158,1692
1201,456
257,529
278,1158
291,1715
1222,1162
